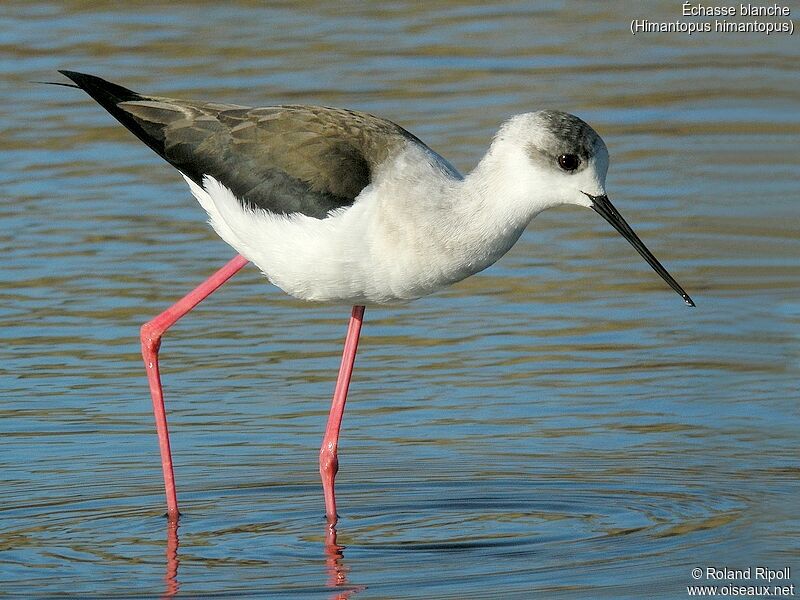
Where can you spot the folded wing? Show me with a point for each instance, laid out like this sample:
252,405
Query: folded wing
284,159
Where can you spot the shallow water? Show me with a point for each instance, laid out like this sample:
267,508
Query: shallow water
559,424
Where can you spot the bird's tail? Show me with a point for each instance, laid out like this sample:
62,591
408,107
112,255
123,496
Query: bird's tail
61,83
109,96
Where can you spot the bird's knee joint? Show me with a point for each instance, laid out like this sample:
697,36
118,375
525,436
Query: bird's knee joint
150,336
328,461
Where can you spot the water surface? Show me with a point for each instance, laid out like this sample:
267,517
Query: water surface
560,424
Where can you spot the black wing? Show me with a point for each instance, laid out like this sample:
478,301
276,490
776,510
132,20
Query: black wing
285,159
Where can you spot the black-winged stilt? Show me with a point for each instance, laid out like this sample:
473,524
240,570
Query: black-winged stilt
337,205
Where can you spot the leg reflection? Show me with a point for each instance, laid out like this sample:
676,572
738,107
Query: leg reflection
337,571
171,585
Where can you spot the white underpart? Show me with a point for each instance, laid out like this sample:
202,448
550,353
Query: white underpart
416,228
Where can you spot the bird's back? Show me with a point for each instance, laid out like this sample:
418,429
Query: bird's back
283,159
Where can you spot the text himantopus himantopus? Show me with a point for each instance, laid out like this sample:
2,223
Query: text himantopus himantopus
337,205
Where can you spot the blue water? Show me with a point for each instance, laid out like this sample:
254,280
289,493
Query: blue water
560,425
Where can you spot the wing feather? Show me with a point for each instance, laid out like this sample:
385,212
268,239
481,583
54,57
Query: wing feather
284,159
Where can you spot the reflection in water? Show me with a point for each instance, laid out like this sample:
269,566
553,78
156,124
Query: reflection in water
334,562
171,585
337,570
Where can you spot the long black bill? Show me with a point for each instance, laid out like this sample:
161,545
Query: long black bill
602,205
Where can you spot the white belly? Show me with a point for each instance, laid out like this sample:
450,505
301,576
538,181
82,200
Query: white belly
343,258
389,246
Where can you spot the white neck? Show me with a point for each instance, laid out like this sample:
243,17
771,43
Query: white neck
492,206
501,182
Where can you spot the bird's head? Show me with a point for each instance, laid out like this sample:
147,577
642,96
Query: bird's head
555,158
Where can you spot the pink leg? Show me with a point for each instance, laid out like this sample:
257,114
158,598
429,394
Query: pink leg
328,460
151,341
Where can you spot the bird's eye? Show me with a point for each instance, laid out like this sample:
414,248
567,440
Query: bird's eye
568,162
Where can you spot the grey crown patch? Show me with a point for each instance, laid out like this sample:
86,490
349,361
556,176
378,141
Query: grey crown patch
569,135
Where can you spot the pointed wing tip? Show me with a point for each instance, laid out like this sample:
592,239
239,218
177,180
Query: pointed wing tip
80,78
71,74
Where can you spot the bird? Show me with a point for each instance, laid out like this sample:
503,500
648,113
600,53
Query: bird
339,206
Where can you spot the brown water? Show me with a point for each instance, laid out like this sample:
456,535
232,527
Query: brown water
559,424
